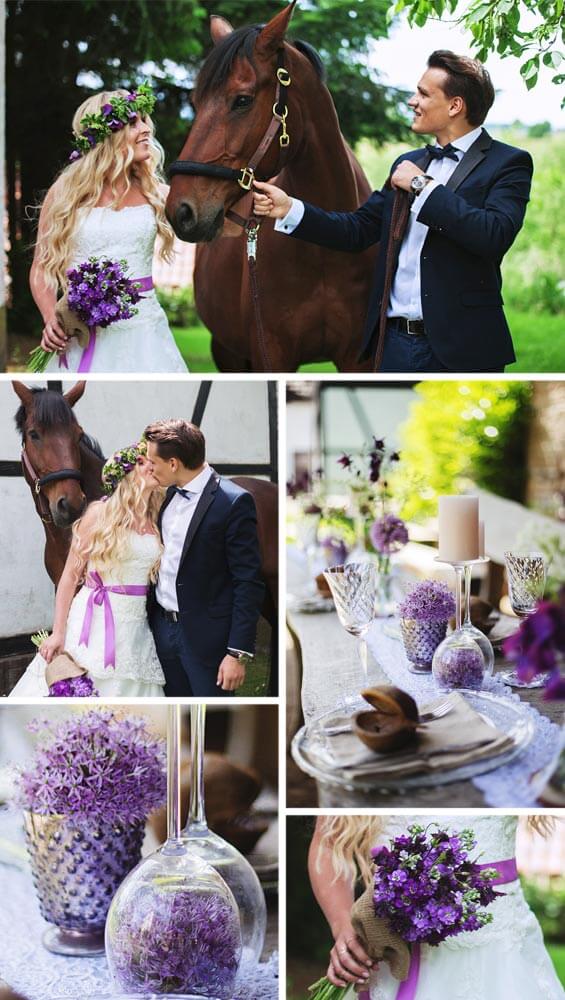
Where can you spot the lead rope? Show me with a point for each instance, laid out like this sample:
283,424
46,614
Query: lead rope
252,233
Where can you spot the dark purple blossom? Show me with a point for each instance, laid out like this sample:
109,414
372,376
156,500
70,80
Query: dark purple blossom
428,601
73,687
345,461
539,644
375,462
389,534
95,768
428,889
101,293
186,941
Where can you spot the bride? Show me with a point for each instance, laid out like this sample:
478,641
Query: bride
108,202
114,554
504,960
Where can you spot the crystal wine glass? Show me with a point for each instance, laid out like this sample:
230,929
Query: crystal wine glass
224,858
483,642
354,590
173,925
459,661
527,573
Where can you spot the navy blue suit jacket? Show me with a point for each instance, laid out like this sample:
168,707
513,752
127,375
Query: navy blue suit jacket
473,220
219,587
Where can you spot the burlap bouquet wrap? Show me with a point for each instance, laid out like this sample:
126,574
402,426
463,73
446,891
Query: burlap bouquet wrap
62,668
378,940
72,325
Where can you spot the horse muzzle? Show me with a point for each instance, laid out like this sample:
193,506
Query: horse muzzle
192,226
64,513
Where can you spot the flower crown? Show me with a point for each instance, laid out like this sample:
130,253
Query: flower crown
121,462
112,117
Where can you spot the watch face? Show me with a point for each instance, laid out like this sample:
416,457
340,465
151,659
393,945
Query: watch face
418,182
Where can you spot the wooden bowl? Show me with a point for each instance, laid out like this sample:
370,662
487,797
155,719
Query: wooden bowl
383,733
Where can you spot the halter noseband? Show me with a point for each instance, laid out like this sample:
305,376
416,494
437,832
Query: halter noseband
246,175
49,477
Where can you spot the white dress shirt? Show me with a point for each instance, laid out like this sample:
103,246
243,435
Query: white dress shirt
405,298
174,526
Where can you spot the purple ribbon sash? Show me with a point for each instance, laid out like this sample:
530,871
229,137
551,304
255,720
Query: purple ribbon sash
100,596
87,357
507,872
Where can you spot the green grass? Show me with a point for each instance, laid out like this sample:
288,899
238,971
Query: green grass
257,675
557,953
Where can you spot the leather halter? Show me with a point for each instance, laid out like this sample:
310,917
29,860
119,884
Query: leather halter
245,176
49,477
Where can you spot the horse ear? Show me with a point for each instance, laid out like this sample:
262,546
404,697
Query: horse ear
220,28
273,34
23,392
74,394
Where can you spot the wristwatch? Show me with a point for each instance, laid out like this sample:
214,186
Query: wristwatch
419,182
237,654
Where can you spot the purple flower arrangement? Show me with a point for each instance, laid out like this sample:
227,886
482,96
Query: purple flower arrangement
73,687
178,941
95,768
428,601
100,293
459,667
539,644
335,550
427,887
389,534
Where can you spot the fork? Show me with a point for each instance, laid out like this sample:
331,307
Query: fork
440,710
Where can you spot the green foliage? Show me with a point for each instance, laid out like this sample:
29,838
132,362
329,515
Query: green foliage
539,130
460,433
179,306
522,28
548,904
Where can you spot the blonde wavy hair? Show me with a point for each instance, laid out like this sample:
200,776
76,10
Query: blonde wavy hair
350,839
80,184
105,545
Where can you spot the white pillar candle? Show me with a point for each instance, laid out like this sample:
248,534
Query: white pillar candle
458,528
481,539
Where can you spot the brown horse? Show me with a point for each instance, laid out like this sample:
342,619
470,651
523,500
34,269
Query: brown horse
61,465
312,301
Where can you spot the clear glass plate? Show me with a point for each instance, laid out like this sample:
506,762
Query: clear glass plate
510,717
137,996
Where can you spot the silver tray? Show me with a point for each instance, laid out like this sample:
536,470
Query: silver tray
309,747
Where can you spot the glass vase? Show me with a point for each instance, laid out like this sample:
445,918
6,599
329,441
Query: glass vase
223,856
173,926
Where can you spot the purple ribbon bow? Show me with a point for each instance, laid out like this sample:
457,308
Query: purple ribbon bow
87,357
100,596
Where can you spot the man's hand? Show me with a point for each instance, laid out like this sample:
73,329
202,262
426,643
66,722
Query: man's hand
231,674
403,174
270,201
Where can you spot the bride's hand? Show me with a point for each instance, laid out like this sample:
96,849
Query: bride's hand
270,201
349,962
54,337
51,647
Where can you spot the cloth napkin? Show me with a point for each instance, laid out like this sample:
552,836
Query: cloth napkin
462,728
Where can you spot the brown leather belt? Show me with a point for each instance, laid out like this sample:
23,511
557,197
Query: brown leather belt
414,327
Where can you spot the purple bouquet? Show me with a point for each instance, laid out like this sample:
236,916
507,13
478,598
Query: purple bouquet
94,768
539,644
100,293
73,687
428,601
428,888
389,534
178,941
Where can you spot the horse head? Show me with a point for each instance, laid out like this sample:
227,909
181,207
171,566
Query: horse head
235,100
51,439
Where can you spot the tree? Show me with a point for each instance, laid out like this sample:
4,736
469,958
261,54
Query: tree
59,52
531,28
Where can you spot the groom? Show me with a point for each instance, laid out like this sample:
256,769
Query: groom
204,608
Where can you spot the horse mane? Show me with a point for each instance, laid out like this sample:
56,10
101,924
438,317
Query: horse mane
240,44
51,409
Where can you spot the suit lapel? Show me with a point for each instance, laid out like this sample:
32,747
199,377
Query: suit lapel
206,498
474,155
168,497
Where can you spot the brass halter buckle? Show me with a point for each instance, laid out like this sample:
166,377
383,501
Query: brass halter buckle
283,76
246,179
37,486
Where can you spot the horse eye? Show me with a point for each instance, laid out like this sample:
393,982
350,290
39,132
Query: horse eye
242,101
34,435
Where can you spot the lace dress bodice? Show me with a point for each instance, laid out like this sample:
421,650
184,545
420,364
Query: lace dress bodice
143,343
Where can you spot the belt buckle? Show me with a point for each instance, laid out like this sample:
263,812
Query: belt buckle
409,325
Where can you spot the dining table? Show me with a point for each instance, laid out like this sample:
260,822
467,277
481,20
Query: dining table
331,675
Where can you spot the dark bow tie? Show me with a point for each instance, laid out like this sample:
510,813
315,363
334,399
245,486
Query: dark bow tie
438,152
183,493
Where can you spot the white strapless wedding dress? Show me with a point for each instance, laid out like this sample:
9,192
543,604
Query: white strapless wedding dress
137,671
143,343
505,960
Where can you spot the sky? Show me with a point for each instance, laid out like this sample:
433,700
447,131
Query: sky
401,59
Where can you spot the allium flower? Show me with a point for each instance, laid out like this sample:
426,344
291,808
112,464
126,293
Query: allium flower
178,941
460,668
428,601
539,645
95,768
389,534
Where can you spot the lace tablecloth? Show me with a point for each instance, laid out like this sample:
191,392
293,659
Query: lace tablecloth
28,968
